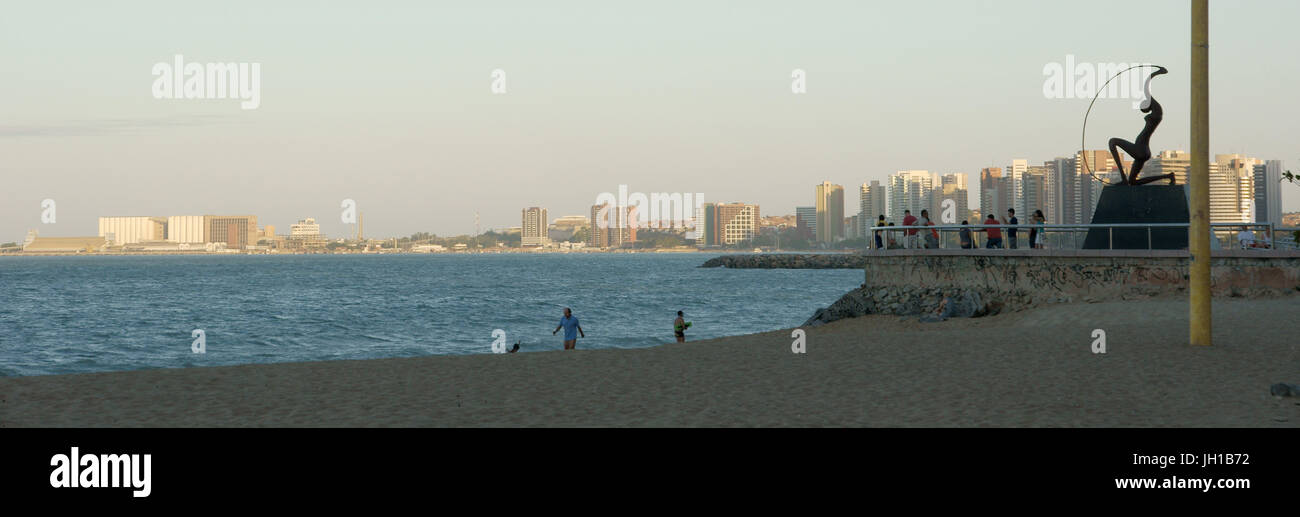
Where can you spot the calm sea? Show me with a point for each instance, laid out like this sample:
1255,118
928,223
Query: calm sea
90,314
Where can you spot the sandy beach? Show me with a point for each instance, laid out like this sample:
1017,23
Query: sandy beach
1026,369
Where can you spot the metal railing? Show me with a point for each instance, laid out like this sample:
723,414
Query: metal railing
1066,236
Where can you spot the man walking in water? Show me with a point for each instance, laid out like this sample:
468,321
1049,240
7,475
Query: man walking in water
571,330
679,327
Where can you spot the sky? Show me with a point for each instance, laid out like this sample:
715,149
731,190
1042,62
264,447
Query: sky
390,104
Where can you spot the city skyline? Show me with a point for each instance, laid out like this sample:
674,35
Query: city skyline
408,127
999,187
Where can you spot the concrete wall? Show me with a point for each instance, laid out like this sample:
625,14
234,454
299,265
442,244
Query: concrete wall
986,285
1048,276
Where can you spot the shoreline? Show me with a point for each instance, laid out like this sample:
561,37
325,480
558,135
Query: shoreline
869,371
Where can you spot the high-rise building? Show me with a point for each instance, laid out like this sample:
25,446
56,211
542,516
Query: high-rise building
729,223
1087,187
534,230
1015,183
611,226
830,212
1232,189
853,228
1033,191
951,187
911,191
805,220
872,204
994,195
1268,193
1058,200
1170,162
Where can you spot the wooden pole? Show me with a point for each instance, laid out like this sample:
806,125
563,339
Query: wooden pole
1198,177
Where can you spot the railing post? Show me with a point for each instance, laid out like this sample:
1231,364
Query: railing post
1110,230
1150,245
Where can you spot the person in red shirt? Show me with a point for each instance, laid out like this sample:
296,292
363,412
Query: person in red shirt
909,221
994,234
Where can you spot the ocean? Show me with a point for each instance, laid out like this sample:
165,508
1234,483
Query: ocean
73,314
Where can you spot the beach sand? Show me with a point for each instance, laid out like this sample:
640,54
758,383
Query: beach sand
1032,368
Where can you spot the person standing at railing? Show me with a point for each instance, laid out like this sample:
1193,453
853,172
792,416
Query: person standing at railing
994,239
1036,237
893,241
880,244
932,236
967,242
909,239
1011,233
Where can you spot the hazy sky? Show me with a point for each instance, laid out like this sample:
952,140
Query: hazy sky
389,103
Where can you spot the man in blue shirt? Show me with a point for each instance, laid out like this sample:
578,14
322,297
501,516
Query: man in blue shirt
571,330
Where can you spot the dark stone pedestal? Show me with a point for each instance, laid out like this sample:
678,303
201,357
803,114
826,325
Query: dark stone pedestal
1124,204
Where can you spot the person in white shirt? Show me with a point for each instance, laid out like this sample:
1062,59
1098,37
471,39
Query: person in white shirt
1246,238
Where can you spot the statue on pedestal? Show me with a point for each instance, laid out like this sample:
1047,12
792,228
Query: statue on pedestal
1140,149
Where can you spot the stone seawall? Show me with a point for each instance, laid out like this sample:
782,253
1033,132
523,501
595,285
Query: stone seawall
984,285
789,261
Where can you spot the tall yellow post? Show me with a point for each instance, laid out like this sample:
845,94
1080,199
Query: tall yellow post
1198,177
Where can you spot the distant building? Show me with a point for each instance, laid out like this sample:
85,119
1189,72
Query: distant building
1013,182
729,223
1232,188
776,222
1087,187
951,187
805,218
872,204
236,231
571,222
1033,191
611,226
187,229
534,229
305,229
131,230
911,191
994,198
1268,192
853,227
1059,189
39,244
830,212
